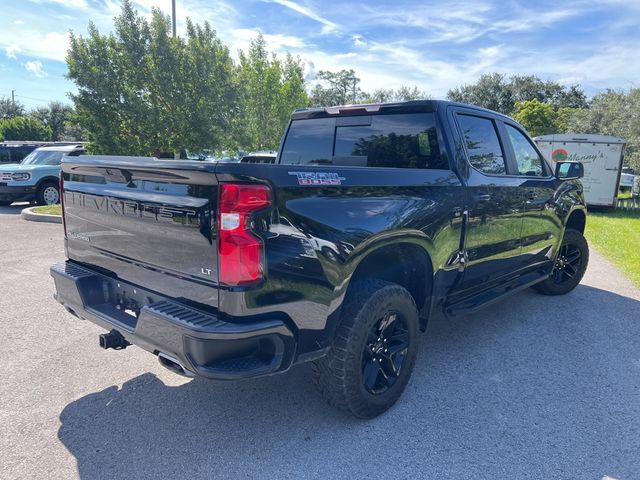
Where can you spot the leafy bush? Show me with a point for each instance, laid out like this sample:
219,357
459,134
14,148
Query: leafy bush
24,128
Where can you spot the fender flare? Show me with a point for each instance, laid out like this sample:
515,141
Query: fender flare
377,244
576,208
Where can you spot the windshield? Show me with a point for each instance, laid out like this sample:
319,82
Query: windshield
43,157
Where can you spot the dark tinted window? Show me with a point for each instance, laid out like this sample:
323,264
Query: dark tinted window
529,162
77,153
309,141
20,152
398,141
5,155
483,146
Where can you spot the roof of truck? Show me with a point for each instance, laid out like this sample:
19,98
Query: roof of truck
373,108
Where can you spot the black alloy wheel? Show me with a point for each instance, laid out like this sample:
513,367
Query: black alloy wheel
568,264
384,353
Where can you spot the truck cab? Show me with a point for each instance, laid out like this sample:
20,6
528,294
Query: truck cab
372,219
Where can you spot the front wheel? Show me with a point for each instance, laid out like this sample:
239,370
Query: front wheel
569,267
48,194
373,352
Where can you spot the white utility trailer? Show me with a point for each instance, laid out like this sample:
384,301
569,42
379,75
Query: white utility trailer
601,156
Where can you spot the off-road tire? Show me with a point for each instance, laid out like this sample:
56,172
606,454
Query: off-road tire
339,375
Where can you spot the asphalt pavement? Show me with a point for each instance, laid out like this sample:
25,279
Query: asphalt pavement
533,387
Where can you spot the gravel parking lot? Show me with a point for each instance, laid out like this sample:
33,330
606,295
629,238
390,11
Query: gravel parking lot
535,387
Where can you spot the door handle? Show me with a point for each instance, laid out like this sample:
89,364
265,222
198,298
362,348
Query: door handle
482,197
531,195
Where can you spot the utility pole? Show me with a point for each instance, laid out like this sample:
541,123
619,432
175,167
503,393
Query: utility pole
13,98
173,17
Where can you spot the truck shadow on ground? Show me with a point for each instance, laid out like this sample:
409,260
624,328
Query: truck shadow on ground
535,387
15,209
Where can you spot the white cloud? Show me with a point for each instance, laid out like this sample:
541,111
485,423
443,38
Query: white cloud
12,51
328,25
50,46
70,4
358,41
35,68
18,22
275,42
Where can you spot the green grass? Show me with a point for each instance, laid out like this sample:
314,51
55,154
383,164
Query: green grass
616,235
624,195
47,210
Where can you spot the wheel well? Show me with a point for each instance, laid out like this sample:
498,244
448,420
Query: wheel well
406,264
577,221
44,180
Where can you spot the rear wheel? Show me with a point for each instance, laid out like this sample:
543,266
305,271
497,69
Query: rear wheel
570,265
48,194
374,350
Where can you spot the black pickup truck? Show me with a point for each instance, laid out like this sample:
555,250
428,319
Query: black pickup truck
372,218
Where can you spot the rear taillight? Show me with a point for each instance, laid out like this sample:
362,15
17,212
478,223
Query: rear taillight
241,252
60,192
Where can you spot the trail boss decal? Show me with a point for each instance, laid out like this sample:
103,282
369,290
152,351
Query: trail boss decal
318,178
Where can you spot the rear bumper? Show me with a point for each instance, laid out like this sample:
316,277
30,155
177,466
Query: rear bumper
202,343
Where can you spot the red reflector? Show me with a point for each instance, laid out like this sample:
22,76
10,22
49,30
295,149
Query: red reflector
241,253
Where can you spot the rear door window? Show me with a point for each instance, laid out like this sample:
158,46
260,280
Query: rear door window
483,145
392,141
388,141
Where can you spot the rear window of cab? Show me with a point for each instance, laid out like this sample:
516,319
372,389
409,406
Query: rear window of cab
389,141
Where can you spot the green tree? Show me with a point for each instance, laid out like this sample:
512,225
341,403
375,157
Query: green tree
335,88
211,103
615,113
143,92
109,72
497,92
537,117
529,87
563,118
56,115
24,128
270,89
10,108
490,91
405,94
402,94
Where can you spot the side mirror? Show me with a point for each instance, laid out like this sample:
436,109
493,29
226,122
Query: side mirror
569,170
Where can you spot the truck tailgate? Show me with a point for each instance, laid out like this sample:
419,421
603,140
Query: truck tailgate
146,221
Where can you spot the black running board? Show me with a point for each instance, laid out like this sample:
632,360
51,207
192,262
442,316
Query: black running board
476,302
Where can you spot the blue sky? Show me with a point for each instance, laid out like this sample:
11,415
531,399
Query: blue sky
435,45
